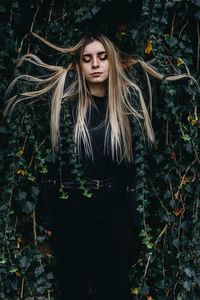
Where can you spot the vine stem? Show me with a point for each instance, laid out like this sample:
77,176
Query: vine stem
34,228
173,21
21,45
171,189
50,12
144,222
26,35
163,260
36,150
22,289
180,33
183,179
35,15
63,16
16,221
196,212
33,21
161,203
151,253
167,133
198,45
31,29
8,213
11,14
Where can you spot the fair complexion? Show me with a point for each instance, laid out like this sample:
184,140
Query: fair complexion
95,68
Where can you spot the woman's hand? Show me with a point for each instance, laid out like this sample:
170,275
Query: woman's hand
48,232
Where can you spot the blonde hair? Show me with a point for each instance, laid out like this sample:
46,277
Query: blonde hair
122,95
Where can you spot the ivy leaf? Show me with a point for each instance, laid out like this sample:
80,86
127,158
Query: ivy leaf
28,207
25,262
172,41
35,190
22,195
41,290
13,270
176,243
188,272
186,137
50,276
39,271
95,10
187,285
197,15
196,2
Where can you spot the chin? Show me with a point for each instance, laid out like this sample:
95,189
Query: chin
97,80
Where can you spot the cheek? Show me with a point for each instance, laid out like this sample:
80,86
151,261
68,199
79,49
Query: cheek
106,67
85,70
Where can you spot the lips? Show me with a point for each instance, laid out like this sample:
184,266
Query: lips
96,74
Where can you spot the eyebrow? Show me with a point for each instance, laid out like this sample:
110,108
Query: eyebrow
99,53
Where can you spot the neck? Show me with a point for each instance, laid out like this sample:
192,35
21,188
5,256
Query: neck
98,90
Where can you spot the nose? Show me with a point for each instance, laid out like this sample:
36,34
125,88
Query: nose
95,62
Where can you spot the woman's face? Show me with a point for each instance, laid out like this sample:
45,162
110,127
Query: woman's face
95,66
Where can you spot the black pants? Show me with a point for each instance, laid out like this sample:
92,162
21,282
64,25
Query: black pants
91,245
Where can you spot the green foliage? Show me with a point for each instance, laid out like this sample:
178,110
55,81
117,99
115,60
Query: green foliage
168,265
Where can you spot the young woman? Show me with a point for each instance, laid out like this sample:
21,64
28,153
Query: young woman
92,125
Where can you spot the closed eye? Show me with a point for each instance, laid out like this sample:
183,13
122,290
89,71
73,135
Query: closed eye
103,56
88,57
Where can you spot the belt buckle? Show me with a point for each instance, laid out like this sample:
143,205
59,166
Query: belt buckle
97,187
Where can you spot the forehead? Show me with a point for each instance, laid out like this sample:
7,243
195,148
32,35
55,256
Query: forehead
93,47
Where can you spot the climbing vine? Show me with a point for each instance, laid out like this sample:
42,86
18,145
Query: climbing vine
166,33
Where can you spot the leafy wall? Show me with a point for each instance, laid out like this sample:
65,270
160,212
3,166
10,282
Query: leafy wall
168,263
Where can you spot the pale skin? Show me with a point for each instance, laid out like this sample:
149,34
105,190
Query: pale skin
95,68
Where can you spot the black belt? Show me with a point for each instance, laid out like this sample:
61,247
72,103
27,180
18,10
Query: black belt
93,184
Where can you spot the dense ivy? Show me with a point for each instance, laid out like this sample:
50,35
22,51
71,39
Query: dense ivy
166,32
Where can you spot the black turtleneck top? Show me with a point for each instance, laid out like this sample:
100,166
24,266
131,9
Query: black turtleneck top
102,165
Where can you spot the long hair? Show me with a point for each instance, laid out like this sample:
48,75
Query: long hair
122,95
